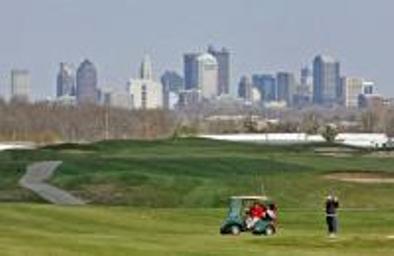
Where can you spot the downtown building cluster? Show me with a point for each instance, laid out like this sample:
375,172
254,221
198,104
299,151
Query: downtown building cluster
320,84
207,78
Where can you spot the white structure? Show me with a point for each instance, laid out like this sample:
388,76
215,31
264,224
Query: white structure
256,95
269,138
20,84
353,87
16,145
207,75
368,87
363,140
145,92
360,140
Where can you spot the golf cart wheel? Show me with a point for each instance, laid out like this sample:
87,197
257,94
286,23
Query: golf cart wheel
235,230
269,231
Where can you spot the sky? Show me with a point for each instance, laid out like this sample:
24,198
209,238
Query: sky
264,36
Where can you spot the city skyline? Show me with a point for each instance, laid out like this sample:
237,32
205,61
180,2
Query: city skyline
45,33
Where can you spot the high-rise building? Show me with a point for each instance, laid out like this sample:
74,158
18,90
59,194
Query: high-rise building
87,83
145,92
223,59
207,75
304,90
190,70
285,86
172,83
65,81
266,84
353,87
326,81
245,88
20,84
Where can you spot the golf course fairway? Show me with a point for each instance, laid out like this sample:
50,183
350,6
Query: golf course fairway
45,230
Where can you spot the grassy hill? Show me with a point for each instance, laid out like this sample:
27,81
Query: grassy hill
201,173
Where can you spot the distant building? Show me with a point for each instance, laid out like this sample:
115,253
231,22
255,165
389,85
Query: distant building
286,86
326,81
115,98
245,89
369,87
173,83
266,84
20,85
145,92
87,83
189,98
190,70
353,87
223,60
65,81
371,101
207,75
304,90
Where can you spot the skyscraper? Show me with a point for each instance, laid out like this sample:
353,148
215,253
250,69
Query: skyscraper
144,91
172,81
65,81
207,75
190,70
303,92
266,84
326,81
172,84
245,88
20,84
86,83
352,89
223,59
285,86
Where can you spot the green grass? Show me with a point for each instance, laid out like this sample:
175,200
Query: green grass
42,230
199,173
167,197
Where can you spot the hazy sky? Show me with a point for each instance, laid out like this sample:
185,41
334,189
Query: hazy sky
263,36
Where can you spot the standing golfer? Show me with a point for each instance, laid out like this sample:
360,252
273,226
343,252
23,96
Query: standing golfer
332,205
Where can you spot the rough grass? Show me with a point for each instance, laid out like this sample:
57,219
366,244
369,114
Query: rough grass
40,230
199,173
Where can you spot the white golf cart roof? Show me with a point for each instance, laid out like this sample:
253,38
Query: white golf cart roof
261,198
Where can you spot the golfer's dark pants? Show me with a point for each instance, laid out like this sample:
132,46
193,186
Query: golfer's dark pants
332,224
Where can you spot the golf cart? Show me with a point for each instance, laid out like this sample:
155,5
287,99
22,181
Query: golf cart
238,215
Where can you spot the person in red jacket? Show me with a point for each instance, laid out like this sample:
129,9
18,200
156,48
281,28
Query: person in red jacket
256,213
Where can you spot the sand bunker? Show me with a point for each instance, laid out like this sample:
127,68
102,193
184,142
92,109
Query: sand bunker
362,177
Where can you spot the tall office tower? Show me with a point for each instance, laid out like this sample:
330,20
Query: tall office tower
20,85
87,83
172,81
190,70
207,75
353,88
286,86
223,59
266,84
65,81
144,91
326,81
245,88
173,84
304,90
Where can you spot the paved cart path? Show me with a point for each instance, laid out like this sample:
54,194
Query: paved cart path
35,180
